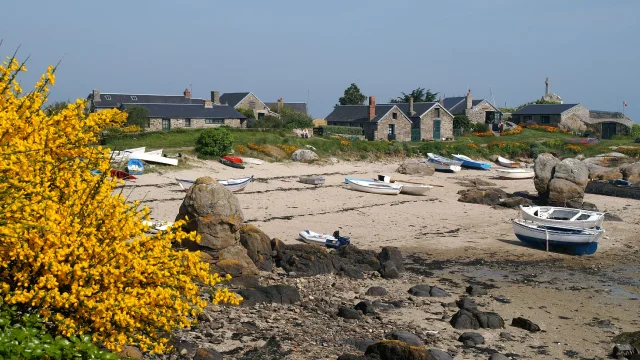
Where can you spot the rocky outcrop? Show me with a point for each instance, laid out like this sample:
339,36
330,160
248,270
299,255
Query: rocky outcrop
560,183
396,350
258,246
597,172
631,172
304,155
475,319
416,167
487,196
544,167
278,294
525,324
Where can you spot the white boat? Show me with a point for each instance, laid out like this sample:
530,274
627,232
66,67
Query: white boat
515,173
508,163
233,185
154,152
408,187
119,156
311,180
442,163
559,216
253,161
470,163
332,241
155,226
154,158
574,240
375,187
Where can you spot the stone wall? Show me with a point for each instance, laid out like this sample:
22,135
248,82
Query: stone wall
155,124
477,113
402,126
426,124
252,102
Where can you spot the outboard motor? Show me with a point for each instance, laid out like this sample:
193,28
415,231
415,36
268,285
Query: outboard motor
341,240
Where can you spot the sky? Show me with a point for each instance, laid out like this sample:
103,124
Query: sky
313,50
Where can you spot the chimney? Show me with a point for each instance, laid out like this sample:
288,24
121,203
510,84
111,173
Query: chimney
372,107
469,100
546,89
187,93
441,101
215,97
96,95
280,104
208,104
411,112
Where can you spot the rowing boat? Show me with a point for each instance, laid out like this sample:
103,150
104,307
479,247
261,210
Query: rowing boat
375,187
573,240
508,163
442,163
560,216
515,173
233,185
470,163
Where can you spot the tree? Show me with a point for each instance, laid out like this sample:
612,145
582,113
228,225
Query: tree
247,112
352,96
137,115
55,108
292,119
462,122
419,95
635,130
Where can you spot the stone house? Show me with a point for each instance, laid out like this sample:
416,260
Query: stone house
101,101
430,120
295,106
609,123
191,116
478,111
243,100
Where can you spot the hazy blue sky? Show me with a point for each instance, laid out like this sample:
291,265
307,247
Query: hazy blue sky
291,49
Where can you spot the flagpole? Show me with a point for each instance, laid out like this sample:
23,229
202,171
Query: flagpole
623,109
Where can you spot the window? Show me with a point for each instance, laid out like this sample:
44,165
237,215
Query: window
133,97
392,129
166,124
252,105
147,123
187,122
261,115
214,121
107,97
545,119
395,116
437,112
527,118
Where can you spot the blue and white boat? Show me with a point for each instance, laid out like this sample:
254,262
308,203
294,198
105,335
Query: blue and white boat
567,239
332,241
442,163
135,167
472,164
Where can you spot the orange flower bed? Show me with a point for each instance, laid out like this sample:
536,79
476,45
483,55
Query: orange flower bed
496,144
289,149
482,134
473,146
547,128
515,131
574,148
345,143
259,148
240,149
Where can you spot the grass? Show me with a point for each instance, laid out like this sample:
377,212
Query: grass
528,143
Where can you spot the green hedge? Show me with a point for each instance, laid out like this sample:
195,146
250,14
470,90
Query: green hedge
342,130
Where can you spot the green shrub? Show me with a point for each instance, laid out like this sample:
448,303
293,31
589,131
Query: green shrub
462,122
635,130
342,130
214,142
364,156
435,147
479,127
137,115
24,336
247,112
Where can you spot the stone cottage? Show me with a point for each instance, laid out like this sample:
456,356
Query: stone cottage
243,100
101,101
280,104
430,120
171,116
478,111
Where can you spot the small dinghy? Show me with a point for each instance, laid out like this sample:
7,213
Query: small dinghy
154,158
375,187
515,173
332,241
119,174
470,163
347,179
135,167
508,163
233,185
156,226
311,180
253,161
233,159
231,164
572,240
559,216
408,187
442,163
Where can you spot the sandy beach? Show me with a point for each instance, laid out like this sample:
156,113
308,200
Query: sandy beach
579,302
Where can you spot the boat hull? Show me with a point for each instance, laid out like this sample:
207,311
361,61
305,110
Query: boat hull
515,174
252,161
311,180
595,220
413,189
508,163
439,166
233,185
472,164
233,159
374,188
311,237
347,179
154,158
231,164
570,240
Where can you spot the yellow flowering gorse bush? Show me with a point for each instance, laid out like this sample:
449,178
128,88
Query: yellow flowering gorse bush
71,249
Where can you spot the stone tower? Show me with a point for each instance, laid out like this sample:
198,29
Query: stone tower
550,96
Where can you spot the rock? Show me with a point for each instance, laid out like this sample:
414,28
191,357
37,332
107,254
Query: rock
304,155
514,202
359,256
305,259
476,182
271,350
632,338
471,339
612,217
406,337
421,290
351,357
564,193
494,158
597,172
502,299
589,206
631,172
572,170
214,213
366,307
523,323
130,352
279,294
258,245
416,167
396,350
467,304
376,291
435,354
348,313
393,254
506,336
464,319
207,354
437,292
475,290
351,272
544,167
498,356
389,270
235,261
489,320
487,196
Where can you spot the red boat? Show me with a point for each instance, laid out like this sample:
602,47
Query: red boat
121,175
233,159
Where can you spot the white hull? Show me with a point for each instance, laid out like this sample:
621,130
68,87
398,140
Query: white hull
445,167
555,216
119,156
515,173
154,158
375,187
154,152
233,185
537,231
252,161
508,163
413,189
314,238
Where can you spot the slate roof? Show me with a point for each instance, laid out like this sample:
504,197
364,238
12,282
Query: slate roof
357,113
295,106
113,100
450,102
544,109
194,111
232,99
419,107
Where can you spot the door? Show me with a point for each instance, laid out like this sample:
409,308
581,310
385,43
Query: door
436,130
166,124
392,132
415,134
608,130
